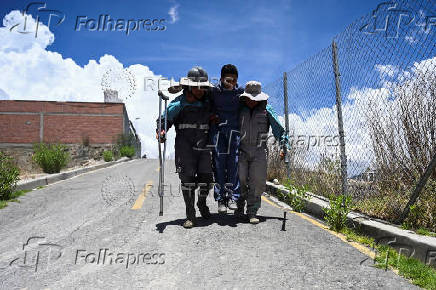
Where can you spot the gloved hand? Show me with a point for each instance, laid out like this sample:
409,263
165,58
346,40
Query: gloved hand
214,119
162,136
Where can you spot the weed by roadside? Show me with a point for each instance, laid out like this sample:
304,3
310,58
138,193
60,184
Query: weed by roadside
336,215
297,196
386,257
13,197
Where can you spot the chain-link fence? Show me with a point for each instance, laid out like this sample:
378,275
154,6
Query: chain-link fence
377,83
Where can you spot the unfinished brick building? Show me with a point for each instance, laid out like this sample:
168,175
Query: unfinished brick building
87,128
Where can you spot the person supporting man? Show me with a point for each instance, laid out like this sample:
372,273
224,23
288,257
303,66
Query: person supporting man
255,119
225,138
190,113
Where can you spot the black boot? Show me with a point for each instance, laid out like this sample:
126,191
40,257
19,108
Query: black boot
189,197
239,212
204,209
205,184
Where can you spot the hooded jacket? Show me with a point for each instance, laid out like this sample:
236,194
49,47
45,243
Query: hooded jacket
225,104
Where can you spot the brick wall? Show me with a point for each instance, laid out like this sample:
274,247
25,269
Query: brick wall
26,122
23,123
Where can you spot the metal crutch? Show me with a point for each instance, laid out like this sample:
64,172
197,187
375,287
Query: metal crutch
162,158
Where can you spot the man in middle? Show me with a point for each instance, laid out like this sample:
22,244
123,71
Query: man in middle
225,138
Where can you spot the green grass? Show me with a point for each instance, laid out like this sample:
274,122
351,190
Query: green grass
40,187
354,236
14,197
3,204
420,231
410,268
425,232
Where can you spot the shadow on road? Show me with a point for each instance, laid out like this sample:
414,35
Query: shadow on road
219,219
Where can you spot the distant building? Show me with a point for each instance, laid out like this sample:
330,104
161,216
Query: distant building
93,124
369,175
111,96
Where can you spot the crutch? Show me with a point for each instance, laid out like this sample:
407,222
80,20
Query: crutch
162,157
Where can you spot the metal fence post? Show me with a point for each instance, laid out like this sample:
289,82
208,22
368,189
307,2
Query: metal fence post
285,97
419,187
340,119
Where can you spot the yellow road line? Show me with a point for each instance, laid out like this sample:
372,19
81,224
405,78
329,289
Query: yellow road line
140,200
356,245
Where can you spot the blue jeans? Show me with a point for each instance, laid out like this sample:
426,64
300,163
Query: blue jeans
225,160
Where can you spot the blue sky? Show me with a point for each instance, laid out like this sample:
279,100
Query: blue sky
263,38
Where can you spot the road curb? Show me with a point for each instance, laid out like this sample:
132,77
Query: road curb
46,180
407,242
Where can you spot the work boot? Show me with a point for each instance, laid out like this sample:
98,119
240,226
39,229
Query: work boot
222,207
232,204
252,215
189,197
253,219
204,209
188,224
239,213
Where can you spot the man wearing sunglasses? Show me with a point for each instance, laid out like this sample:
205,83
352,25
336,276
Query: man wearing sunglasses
225,138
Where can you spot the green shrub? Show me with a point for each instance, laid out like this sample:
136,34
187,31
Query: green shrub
108,156
336,215
416,214
297,196
51,158
128,151
9,175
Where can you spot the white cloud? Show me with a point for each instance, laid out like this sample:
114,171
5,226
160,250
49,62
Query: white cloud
386,70
174,13
410,39
30,72
3,95
355,106
18,33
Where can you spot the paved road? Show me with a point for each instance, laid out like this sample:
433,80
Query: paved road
82,233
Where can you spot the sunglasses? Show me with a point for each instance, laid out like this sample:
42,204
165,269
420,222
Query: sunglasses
230,80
